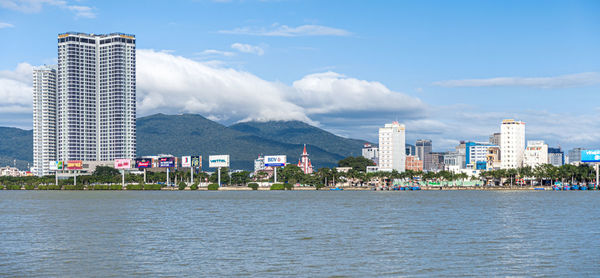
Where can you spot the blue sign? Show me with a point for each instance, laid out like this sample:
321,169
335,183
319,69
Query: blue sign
166,162
590,156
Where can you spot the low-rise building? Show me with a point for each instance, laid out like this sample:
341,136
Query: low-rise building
11,172
493,158
370,152
535,154
414,163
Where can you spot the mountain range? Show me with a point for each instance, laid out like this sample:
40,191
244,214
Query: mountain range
191,134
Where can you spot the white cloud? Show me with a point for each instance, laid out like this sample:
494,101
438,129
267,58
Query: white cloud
168,83
332,92
561,81
82,11
246,48
36,6
174,84
16,89
277,30
214,52
5,25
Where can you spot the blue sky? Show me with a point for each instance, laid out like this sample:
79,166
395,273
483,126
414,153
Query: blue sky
450,70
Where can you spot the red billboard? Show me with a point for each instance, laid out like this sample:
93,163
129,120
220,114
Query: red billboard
143,163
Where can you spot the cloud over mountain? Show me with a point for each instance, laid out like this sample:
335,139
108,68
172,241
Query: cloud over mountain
168,83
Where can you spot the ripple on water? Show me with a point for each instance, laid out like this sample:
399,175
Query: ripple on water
478,233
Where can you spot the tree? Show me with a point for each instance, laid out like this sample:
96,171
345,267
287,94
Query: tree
357,163
292,173
225,178
106,171
240,178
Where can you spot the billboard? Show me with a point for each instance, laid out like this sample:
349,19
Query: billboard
122,163
215,161
56,165
275,160
590,155
196,161
143,163
166,162
186,161
74,165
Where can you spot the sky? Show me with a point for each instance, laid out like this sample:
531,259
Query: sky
448,70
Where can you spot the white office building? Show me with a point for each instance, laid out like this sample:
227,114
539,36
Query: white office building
44,119
535,154
392,149
96,97
370,152
512,147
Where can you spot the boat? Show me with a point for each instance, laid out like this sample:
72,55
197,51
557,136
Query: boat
336,189
539,188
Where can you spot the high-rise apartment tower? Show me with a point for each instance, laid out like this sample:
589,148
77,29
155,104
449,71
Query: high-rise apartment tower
96,96
44,119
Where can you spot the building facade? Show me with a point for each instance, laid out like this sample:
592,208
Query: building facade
370,152
437,161
423,151
392,148
44,119
96,107
556,157
476,152
575,156
493,158
410,149
535,154
512,143
413,163
454,161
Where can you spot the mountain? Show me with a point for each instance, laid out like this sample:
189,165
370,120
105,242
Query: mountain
190,134
16,144
193,134
296,132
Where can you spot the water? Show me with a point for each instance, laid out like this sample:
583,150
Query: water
300,233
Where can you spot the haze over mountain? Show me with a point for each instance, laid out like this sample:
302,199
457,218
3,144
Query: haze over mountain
191,134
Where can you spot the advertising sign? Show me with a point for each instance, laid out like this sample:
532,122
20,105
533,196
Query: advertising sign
143,163
166,162
74,165
275,160
56,165
590,155
186,161
215,161
196,161
122,163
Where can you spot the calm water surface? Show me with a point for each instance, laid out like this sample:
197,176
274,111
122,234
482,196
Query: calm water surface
299,233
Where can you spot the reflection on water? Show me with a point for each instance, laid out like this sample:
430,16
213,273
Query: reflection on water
308,233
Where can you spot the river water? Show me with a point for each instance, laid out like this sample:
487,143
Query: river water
299,233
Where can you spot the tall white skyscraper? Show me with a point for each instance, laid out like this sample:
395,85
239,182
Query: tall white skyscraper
512,147
44,119
392,149
96,96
